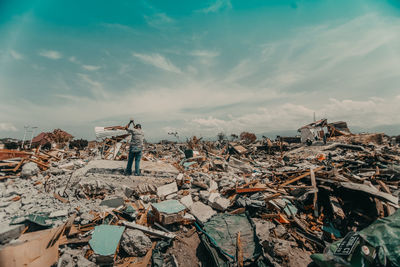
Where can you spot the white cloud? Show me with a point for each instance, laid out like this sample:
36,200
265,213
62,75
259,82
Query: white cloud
7,127
205,56
91,67
73,59
346,71
16,55
50,54
158,61
117,26
204,53
159,20
96,87
217,5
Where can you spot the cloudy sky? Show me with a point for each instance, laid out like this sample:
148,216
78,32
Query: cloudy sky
198,67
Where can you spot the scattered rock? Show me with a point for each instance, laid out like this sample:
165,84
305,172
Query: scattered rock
221,203
167,189
59,213
187,201
201,211
29,169
135,243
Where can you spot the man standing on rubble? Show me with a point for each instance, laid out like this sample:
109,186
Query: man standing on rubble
135,147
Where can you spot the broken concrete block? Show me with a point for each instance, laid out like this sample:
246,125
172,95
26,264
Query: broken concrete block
213,186
172,196
13,207
59,213
167,189
113,202
204,195
86,218
213,197
201,211
67,166
29,169
179,179
10,232
169,211
128,191
221,203
187,201
135,242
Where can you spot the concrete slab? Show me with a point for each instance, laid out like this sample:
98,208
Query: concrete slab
9,232
202,212
187,201
167,189
158,168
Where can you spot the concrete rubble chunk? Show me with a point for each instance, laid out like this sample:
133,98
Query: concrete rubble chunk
213,197
220,203
167,189
58,213
135,243
128,191
202,212
187,201
168,211
10,232
204,195
213,186
29,169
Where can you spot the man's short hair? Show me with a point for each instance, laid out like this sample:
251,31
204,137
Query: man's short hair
139,126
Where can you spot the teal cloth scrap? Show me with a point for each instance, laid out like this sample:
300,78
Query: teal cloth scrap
105,239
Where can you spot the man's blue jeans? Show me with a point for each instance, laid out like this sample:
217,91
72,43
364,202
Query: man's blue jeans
137,155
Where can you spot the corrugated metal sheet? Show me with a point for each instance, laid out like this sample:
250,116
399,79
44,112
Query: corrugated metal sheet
102,133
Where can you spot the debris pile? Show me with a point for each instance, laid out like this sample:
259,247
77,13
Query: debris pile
246,202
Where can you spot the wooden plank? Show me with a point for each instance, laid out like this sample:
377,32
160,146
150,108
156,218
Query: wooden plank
63,200
384,186
276,195
372,191
8,164
250,190
300,177
39,163
9,154
149,230
19,165
314,185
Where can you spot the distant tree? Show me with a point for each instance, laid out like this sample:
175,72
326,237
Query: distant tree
221,136
11,145
234,137
248,137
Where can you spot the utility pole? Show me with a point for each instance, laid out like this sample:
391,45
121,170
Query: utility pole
314,117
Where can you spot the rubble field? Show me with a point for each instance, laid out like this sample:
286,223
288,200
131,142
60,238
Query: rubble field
204,203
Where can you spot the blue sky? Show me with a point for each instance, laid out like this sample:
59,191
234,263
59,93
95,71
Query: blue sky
198,67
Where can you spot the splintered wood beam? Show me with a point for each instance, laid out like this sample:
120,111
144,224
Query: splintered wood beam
300,177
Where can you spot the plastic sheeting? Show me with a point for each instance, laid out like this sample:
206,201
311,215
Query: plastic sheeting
221,231
380,239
